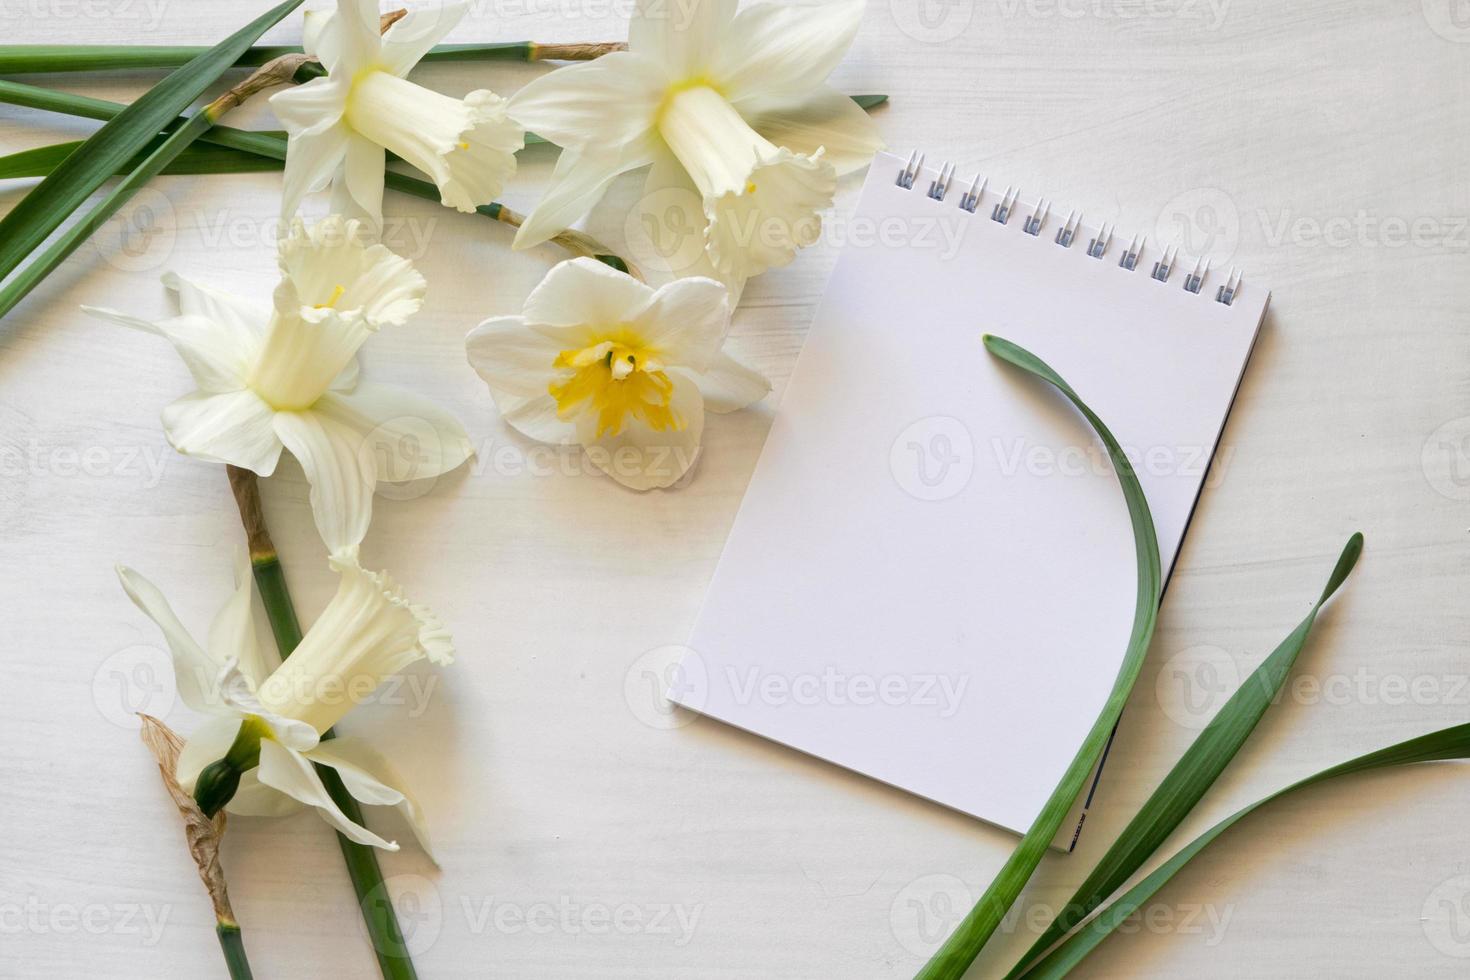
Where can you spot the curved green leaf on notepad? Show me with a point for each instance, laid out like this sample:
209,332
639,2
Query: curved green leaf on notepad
1193,774
100,156
1448,743
960,950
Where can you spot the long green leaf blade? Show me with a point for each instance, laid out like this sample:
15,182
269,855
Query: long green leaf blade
20,285
22,59
1447,743
198,158
44,209
961,948
1194,773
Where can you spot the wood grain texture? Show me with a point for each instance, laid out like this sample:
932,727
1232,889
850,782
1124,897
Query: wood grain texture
1320,145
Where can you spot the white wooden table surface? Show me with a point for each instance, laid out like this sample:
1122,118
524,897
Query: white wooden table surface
1320,145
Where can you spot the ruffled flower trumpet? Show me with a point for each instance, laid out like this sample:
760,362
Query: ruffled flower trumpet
599,359
269,722
731,108
339,126
287,377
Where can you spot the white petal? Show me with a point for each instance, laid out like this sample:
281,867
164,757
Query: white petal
578,182
414,34
313,22
371,779
331,263
316,144
686,322
679,36
245,316
409,436
351,39
602,104
643,458
292,774
512,358
821,119
339,465
255,799
347,379
784,48
217,355
233,632
342,202
311,109
584,292
363,166
233,427
728,385
536,417
195,672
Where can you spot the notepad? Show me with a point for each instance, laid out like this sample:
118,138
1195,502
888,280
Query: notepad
931,578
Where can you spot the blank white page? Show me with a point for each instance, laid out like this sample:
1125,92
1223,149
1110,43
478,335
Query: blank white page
931,577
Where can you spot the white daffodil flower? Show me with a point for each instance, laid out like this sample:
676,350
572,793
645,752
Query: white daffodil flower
338,126
287,376
599,359
367,633
729,107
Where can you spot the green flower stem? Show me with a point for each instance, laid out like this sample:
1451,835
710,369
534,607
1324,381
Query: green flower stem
22,59
361,860
233,947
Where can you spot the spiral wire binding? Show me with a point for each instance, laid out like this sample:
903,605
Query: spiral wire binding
1097,246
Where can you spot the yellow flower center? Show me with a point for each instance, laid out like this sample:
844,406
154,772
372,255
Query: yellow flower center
616,377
